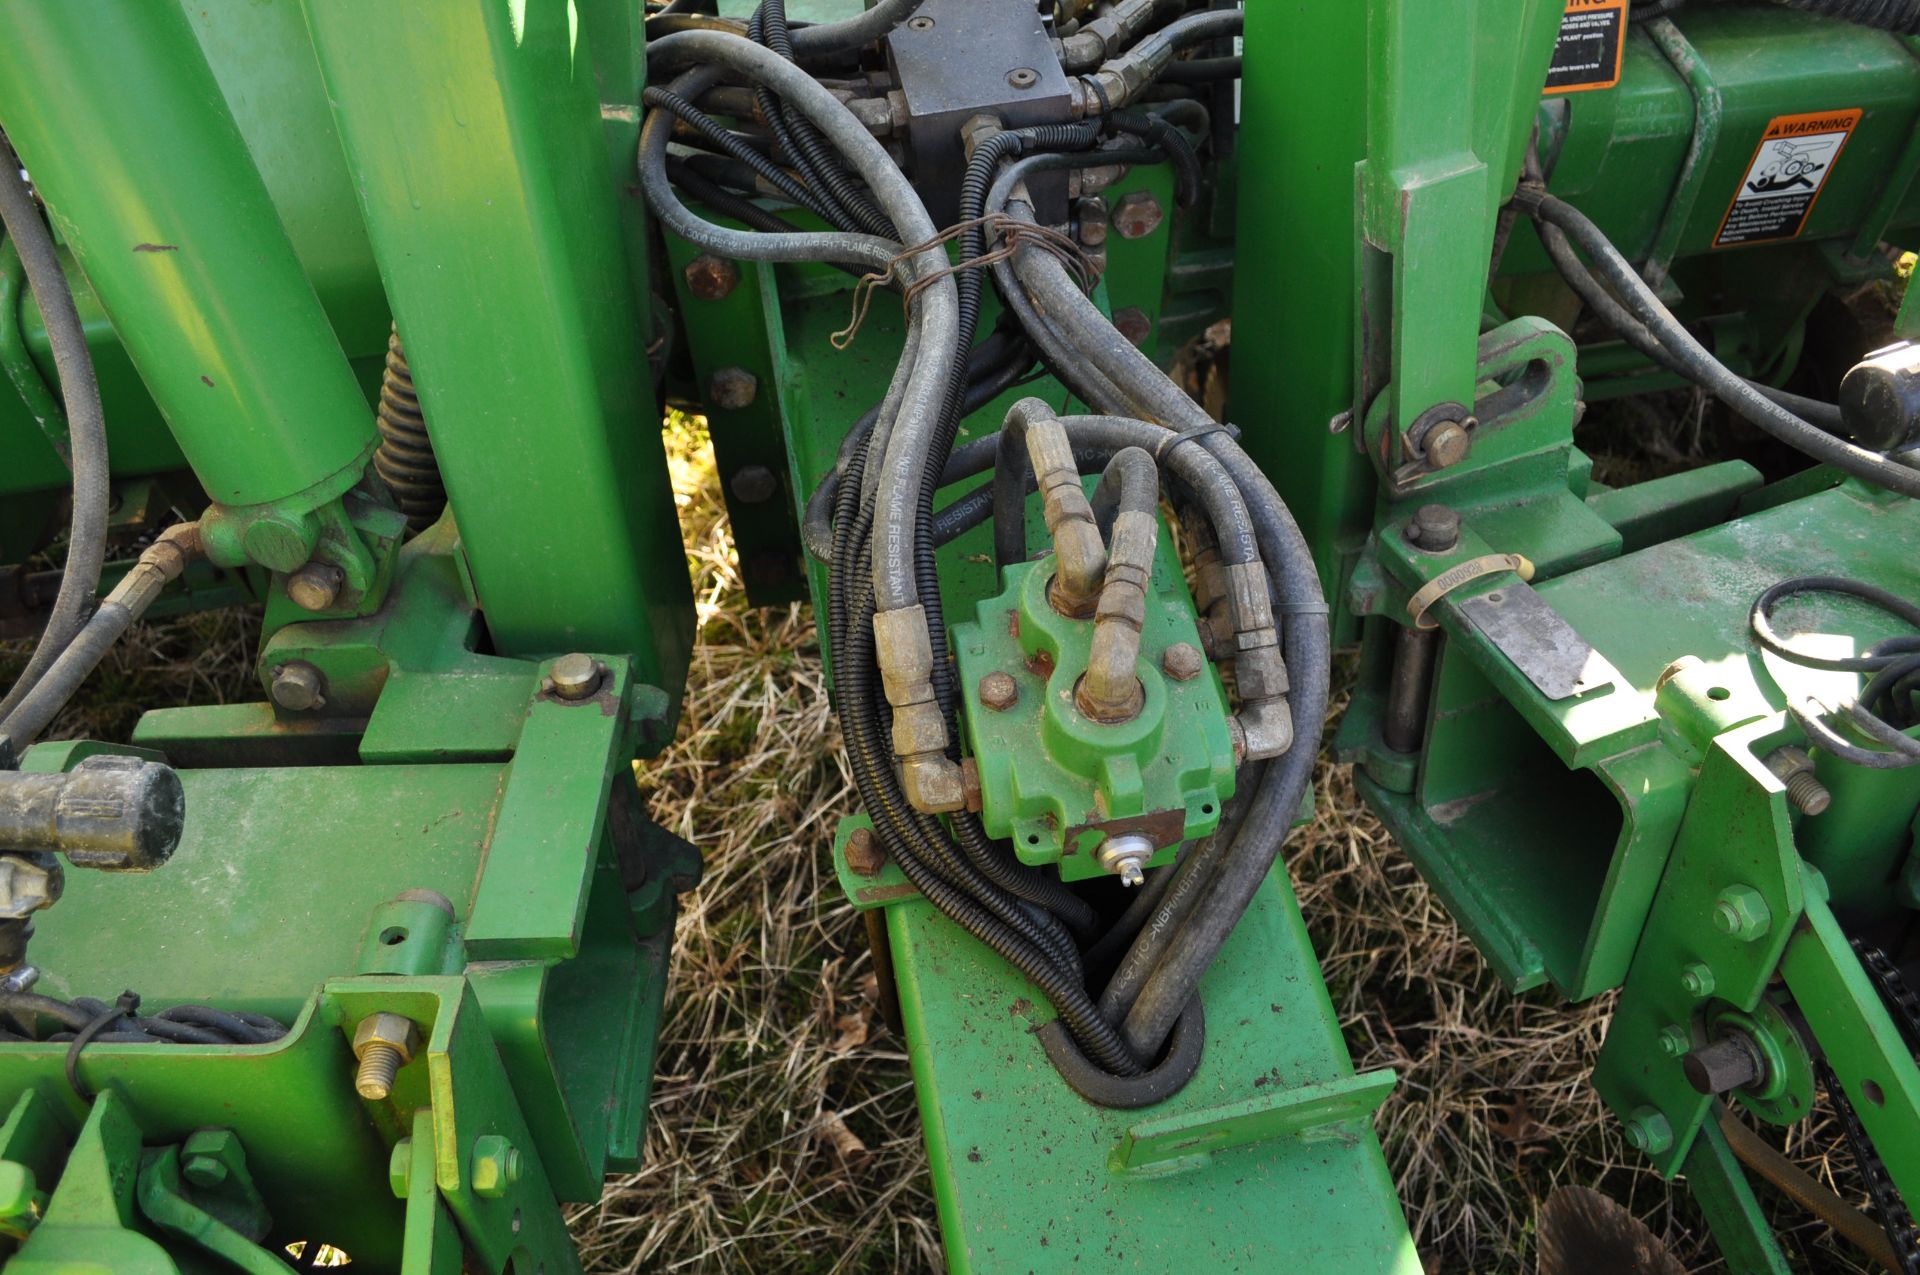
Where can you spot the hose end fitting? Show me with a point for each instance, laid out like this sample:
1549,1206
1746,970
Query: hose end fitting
931,780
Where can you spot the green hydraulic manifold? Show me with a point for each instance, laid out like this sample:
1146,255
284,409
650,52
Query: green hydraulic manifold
1057,783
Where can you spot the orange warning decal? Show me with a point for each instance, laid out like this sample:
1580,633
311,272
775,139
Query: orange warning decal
1783,182
1593,40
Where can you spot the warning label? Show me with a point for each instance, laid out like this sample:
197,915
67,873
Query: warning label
1592,42
1790,168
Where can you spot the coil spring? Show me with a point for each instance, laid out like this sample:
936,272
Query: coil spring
405,457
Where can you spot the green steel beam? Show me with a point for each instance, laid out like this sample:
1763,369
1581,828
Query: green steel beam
492,205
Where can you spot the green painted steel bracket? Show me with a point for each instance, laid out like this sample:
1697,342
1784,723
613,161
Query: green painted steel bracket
168,1203
1057,783
91,1219
432,1239
1327,1109
1740,1226
1736,835
1862,1044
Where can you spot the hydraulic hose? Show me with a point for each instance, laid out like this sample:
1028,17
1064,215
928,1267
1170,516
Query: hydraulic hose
1701,366
1795,1183
86,424
159,566
1636,334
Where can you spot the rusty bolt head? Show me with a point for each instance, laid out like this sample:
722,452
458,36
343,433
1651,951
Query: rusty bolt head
970,783
865,854
1024,77
1182,662
298,686
1092,213
999,692
1447,444
1133,324
712,278
733,389
1138,215
392,1030
316,586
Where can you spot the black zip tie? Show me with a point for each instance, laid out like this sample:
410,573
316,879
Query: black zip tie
125,1007
1166,445
1106,103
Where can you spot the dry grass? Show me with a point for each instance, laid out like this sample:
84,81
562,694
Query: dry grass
784,1136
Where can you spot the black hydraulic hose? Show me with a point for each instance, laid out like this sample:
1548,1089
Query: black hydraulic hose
1130,481
716,133
830,38
1172,143
1899,16
86,425
1202,71
1884,709
1128,924
803,144
1702,367
1595,297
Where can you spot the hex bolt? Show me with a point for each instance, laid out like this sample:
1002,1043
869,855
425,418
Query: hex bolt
575,676
1434,529
733,389
384,1043
316,586
203,1170
1446,444
1092,213
1182,661
298,686
496,1166
865,855
1024,77
1674,1040
1648,1131
1132,323
754,484
711,278
999,692
1138,215
1730,1063
1125,856
1741,912
1697,979
1794,768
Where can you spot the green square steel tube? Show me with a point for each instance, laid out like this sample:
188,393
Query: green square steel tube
474,131
117,116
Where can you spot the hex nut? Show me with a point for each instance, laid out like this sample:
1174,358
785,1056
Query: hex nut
1182,662
711,278
1741,912
1696,979
1674,1040
316,586
496,1166
1648,1131
1804,790
1138,215
865,855
395,1031
999,692
399,1161
298,687
733,389
576,676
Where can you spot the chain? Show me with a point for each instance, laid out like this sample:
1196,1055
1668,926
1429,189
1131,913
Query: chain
1904,1005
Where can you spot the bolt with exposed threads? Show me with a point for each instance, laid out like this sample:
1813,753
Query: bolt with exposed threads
1795,769
384,1043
